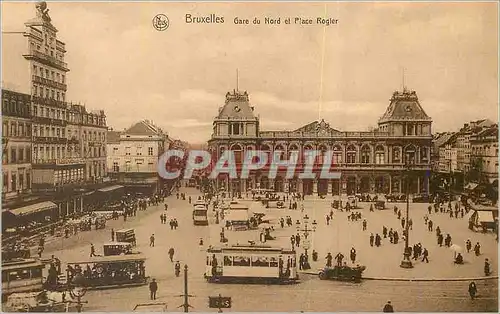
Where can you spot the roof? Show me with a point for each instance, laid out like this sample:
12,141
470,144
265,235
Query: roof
110,188
34,208
252,248
442,138
22,264
404,106
113,137
143,127
316,126
110,259
236,215
238,206
237,106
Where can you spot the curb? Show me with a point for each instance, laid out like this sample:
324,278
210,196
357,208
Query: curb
416,279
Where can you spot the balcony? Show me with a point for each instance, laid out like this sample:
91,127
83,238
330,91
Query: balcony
51,83
50,140
49,121
49,102
46,59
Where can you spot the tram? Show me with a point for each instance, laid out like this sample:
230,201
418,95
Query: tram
200,216
108,272
22,275
251,264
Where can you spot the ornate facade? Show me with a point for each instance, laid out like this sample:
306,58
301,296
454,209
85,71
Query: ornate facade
379,161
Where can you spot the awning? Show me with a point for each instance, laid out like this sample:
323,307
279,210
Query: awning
485,216
471,186
111,188
35,208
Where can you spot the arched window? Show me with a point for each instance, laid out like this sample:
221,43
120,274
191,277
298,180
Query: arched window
396,154
351,154
379,155
365,154
293,148
323,149
266,149
238,153
279,148
410,154
307,148
337,155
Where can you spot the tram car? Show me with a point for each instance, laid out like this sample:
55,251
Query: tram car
21,275
342,273
251,264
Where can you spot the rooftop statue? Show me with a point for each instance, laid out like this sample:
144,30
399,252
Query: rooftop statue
42,11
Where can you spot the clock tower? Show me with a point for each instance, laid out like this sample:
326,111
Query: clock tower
236,118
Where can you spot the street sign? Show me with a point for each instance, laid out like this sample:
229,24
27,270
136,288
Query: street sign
219,302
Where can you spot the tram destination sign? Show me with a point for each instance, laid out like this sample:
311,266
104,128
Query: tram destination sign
219,302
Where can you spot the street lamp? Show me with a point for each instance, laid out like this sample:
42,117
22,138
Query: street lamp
306,243
406,262
77,290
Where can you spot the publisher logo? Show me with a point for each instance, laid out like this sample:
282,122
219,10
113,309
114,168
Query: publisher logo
161,22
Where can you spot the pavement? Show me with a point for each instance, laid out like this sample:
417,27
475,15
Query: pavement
311,294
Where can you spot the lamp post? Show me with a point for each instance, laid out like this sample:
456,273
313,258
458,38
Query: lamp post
406,262
77,290
306,244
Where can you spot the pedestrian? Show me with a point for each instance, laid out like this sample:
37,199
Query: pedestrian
425,255
371,239
468,245
364,224
92,250
477,249
339,257
152,240
378,240
384,231
292,240
112,235
327,220
429,224
301,261
388,308
472,290
486,267
153,287
171,252
353,255
440,239
410,224
201,243
297,240
403,223
329,260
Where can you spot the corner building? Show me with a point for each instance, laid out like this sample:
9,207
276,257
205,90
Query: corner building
378,161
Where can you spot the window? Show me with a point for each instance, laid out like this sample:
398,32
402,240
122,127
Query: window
139,151
116,168
365,155
150,151
351,154
260,261
337,155
14,182
379,155
5,182
13,155
228,260
115,150
396,154
21,154
241,261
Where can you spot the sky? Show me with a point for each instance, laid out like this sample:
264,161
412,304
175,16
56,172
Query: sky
294,74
